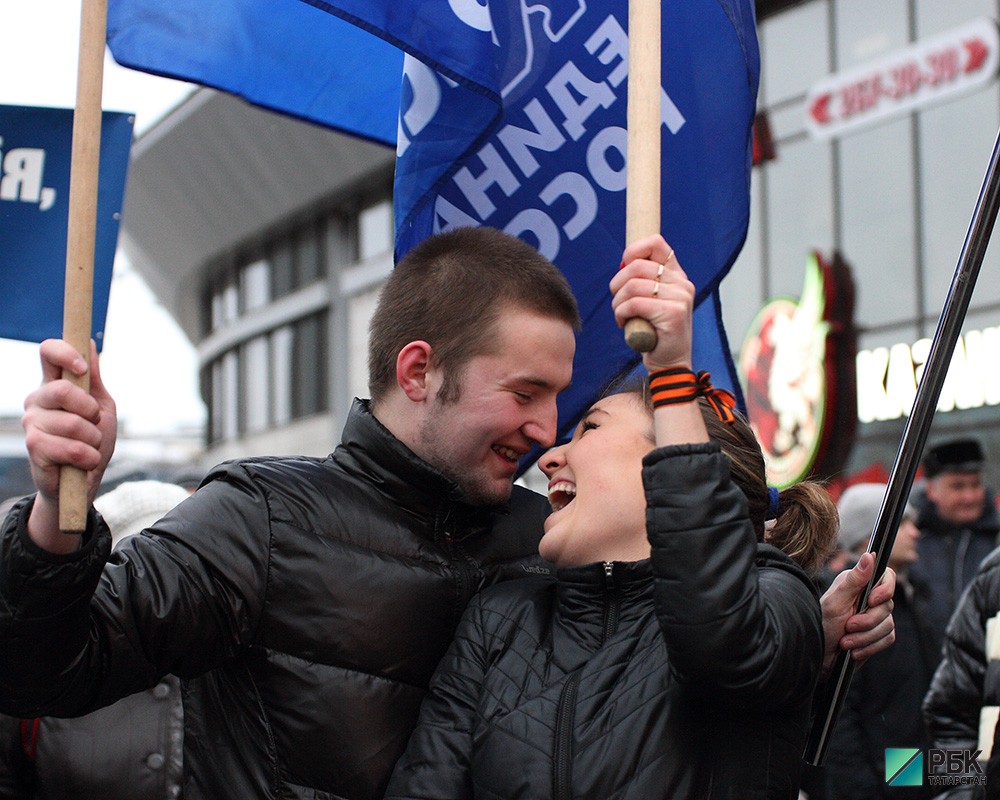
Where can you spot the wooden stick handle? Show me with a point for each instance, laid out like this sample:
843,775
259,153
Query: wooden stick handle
81,232
642,193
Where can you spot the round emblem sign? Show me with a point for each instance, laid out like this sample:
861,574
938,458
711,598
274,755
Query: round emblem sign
782,369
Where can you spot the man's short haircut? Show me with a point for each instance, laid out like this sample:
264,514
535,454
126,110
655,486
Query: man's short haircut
450,291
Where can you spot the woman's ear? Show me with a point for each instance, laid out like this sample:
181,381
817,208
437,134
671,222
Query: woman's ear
413,365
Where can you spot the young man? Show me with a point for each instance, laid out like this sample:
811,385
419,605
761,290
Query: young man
306,602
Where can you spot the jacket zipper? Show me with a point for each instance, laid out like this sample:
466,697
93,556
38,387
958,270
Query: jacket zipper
562,759
463,568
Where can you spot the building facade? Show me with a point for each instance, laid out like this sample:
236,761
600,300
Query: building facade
268,238
883,117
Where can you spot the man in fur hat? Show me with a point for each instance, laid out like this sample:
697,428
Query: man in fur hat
958,525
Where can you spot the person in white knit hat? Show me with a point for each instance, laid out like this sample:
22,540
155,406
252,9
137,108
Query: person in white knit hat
882,707
135,505
131,749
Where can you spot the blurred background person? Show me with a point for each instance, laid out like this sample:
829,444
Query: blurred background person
131,750
883,705
958,525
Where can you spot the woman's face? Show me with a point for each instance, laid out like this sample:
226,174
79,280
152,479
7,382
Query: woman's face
595,486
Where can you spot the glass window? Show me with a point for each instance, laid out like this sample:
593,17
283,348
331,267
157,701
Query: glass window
309,255
375,230
217,313
864,35
215,402
360,311
256,385
799,213
255,281
230,303
225,305
878,236
283,279
281,374
956,141
933,16
228,396
794,52
788,120
339,247
309,368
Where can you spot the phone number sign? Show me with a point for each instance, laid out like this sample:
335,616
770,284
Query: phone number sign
925,72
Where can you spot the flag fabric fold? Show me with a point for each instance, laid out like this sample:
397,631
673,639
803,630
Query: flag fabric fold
510,114
279,54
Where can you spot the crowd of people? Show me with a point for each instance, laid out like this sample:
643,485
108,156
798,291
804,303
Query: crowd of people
934,689
400,619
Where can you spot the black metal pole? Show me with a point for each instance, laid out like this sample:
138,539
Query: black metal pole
911,446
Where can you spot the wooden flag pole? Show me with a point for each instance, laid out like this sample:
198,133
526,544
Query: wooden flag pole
642,192
81,232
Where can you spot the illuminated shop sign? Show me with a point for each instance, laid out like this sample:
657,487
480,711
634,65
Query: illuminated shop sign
797,369
888,376
925,72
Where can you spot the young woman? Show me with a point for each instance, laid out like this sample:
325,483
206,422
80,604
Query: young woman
676,653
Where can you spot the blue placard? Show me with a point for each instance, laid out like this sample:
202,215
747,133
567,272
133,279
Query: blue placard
35,154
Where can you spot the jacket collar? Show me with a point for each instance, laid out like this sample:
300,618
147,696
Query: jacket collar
627,579
369,449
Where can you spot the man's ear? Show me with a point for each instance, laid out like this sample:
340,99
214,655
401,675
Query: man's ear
413,368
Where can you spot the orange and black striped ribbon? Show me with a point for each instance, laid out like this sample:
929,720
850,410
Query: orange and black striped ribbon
679,385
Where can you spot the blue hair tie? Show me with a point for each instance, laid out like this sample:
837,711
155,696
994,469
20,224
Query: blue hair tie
773,500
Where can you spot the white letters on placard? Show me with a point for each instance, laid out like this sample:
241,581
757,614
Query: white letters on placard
21,177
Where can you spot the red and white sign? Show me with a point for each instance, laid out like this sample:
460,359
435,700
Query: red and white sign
925,72
796,367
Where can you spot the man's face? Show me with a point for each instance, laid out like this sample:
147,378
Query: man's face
506,405
905,549
959,497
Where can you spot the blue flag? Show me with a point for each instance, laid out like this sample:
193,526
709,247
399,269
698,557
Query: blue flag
35,148
280,54
531,98
508,114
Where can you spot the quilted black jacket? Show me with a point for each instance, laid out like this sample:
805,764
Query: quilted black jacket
305,602
966,685
688,675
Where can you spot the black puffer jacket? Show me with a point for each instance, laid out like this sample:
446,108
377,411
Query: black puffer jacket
966,687
688,675
305,601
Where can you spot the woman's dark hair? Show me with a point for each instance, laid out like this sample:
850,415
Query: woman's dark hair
805,527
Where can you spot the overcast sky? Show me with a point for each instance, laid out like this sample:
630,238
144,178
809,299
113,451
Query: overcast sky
143,348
